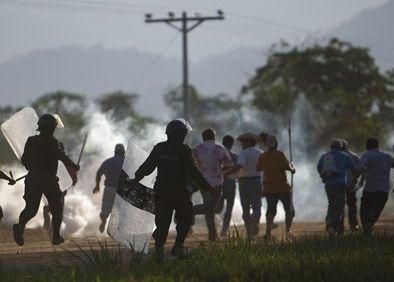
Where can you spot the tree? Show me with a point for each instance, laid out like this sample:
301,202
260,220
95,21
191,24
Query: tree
121,106
219,111
70,107
347,95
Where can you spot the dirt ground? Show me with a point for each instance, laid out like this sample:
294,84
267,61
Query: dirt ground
38,251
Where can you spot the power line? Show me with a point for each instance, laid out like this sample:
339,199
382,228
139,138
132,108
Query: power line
157,58
196,20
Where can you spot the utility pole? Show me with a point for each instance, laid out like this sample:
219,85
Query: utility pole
184,29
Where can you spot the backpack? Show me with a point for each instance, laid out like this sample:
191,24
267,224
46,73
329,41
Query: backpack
329,167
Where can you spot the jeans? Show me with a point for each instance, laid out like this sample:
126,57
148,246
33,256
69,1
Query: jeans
208,208
287,202
336,205
250,196
227,195
372,204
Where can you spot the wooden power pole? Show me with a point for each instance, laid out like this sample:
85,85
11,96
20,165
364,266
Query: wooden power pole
184,29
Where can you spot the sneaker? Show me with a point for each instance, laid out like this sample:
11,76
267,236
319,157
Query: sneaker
355,229
289,236
18,234
57,241
178,252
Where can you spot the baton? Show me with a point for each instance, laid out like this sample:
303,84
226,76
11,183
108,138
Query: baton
19,178
291,154
82,149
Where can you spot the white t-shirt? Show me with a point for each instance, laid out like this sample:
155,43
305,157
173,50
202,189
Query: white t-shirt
247,158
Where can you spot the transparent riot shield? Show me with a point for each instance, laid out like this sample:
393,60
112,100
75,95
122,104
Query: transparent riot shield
129,225
18,128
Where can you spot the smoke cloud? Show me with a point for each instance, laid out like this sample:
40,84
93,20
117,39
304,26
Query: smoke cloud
82,208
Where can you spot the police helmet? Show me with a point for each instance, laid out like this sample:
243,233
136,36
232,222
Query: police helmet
47,122
178,127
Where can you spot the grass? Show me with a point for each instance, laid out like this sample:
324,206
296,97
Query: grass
350,258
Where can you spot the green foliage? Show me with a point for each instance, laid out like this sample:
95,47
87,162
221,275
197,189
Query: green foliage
121,106
219,111
347,95
70,107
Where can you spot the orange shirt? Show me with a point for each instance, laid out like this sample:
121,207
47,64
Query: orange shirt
274,165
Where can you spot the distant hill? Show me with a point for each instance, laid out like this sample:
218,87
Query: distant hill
372,28
96,70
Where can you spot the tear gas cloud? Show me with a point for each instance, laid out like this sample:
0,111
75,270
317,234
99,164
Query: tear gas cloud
82,208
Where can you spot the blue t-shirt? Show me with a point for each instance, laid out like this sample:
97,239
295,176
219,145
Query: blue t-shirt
343,163
111,168
376,166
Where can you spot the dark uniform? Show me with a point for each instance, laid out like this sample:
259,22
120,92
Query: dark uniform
175,170
40,157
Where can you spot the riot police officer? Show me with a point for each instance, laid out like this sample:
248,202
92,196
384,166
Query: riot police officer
40,157
175,171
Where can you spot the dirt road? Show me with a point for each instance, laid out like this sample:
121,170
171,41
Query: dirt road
38,251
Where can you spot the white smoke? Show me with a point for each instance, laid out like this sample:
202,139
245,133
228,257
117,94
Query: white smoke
11,199
82,208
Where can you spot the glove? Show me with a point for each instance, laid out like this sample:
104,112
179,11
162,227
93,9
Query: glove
130,184
11,181
96,189
73,172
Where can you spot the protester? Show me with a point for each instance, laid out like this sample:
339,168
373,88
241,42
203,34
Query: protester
40,157
249,182
263,139
351,190
10,182
211,159
111,169
333,167
376,166
274,165
175,170
228,193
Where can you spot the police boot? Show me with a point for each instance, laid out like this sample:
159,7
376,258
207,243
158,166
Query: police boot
57,240
18,234
178,251
159,253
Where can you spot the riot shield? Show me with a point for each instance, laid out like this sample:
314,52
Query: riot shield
129,224
18,128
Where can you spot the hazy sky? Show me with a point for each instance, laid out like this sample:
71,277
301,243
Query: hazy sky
27,25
